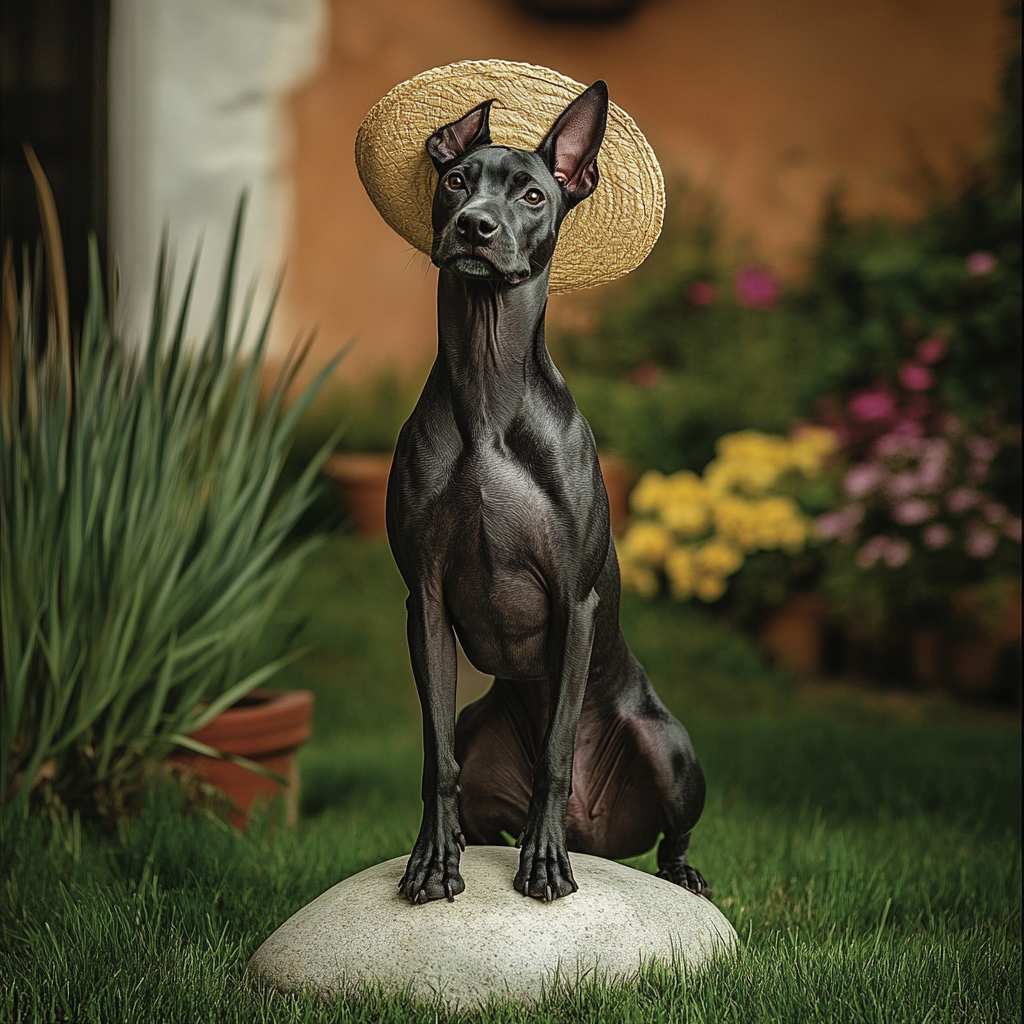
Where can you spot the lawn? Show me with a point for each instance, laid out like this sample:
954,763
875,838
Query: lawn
870,859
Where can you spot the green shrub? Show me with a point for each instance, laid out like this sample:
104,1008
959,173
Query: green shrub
679,357
141,539
881,285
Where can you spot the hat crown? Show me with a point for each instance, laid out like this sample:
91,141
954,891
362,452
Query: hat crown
604,237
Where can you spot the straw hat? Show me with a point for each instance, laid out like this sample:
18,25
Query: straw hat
604,237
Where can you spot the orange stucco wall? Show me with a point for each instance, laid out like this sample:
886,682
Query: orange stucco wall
769,103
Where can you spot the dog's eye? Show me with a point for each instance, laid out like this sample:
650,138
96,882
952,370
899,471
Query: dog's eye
455,181
534,196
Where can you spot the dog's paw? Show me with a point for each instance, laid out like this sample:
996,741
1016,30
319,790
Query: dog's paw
544,871
433,870
687,877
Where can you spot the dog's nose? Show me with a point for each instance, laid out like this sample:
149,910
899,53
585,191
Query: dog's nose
476,227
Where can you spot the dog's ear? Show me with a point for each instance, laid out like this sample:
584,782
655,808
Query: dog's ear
570,148
448,143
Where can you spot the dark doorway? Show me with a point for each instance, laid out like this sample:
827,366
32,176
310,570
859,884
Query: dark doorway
53,95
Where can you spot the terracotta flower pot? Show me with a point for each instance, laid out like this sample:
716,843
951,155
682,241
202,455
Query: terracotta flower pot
618,482
929,658
794,631
266,727
982,656
363,483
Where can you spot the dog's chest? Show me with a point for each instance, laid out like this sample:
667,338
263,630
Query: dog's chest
499,513
499,562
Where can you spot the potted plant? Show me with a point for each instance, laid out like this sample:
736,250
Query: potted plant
923,547
362,482
745,516
142,541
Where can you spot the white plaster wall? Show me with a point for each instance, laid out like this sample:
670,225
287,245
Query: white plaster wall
196,116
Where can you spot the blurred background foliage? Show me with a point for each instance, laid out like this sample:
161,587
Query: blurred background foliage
896,328
686,350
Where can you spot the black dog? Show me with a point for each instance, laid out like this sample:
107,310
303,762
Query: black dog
498,520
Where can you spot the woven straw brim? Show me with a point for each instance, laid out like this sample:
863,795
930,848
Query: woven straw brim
604,237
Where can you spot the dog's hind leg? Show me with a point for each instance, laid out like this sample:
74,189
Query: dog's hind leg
497,739
673,865
680,782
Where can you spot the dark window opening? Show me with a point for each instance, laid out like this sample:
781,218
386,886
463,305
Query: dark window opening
53,95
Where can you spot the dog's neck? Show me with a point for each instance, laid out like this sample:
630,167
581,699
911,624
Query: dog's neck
490,347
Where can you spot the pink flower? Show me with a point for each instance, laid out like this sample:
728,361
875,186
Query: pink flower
872,405
872,551
932,468
914,511
980,263
863,478
981,540
901,486
984,449
701,293
1012,529
932,349
915,377
994,513
977,472
839,524
898,443
907,428
896,553
961,499
930,475
757,288
646,375
936,449
936,535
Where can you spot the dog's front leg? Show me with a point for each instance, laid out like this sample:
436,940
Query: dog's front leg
544,869
433,868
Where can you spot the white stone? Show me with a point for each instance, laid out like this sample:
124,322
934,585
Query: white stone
491,940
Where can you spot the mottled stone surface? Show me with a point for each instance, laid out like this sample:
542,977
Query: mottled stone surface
491,940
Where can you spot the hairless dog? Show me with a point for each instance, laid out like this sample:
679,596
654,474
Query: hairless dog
498,519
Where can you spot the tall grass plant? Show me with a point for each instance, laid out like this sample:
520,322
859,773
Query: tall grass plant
142,542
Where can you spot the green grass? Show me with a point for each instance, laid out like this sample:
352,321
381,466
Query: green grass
871,864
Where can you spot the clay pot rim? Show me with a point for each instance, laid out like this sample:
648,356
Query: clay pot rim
267,696
280,720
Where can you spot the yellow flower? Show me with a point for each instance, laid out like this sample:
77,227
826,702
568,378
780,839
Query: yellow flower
720,476
718,558
685,486
820,439
811,446
750,460
649,492
646,543
679,569
732,500
709,588
777,517
686,518
736,519
793,535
